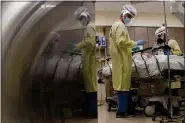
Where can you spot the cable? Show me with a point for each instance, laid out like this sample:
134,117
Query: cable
146,65
158,65
68,68
136,69
56,66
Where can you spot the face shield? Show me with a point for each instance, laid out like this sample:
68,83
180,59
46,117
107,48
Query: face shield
82,15
84,19
126,18
161,35
128,13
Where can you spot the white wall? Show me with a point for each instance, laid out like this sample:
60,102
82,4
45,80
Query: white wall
143,19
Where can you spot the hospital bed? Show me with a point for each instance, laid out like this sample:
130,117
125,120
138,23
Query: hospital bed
151,71
149,66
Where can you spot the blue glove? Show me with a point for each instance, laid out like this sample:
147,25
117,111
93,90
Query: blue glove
135,48
166,48
140,42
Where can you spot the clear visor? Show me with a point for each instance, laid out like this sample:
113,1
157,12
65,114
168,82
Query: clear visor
82,15
129,15
84,19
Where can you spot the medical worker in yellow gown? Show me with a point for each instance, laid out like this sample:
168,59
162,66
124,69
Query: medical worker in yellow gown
88,48
173,46
121,54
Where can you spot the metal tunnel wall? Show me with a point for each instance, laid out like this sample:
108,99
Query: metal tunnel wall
28,48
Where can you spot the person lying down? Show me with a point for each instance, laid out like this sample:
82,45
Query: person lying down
176,63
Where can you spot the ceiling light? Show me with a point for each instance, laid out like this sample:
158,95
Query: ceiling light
48,6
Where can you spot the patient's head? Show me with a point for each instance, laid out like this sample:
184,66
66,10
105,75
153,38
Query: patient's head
161,39
161,35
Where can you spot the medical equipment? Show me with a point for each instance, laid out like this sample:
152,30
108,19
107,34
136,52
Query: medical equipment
170,118
129,9
101,41
147,70
153,66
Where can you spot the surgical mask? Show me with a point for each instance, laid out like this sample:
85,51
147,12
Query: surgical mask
160,40
126,20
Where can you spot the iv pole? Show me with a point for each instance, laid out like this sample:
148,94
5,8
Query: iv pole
170,118
168,60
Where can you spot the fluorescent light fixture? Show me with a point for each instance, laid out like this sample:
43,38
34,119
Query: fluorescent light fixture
48,6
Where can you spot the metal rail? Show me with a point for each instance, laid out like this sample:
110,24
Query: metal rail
158,65
146,66
136,68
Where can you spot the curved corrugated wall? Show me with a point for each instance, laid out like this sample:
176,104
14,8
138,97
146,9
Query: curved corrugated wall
26,31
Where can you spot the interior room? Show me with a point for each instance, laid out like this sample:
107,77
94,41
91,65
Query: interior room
149,18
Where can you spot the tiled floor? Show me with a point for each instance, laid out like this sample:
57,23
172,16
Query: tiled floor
110,117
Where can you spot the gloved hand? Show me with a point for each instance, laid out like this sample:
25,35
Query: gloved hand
140,42
167,47
135,48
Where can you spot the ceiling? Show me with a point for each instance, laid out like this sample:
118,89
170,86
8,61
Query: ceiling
151,7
